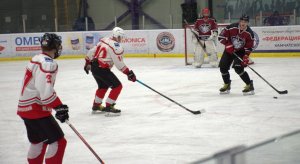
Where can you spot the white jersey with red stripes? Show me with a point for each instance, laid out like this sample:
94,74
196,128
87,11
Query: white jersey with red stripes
38,96
108,53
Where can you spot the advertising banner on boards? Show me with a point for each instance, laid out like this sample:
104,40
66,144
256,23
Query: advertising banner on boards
147,42
72,43
5,46
26,44
280,38
166,41
136,42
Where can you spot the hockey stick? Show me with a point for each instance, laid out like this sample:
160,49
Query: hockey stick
196,36
194,112
83,140
280,92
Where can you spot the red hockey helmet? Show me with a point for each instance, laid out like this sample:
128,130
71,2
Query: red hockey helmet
205,12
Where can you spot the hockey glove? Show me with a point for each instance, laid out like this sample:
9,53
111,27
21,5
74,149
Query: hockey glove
62,113
87,68
87,65
229,48
213,36
245,61
131,76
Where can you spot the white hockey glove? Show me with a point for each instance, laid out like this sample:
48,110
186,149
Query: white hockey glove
194,32
213,36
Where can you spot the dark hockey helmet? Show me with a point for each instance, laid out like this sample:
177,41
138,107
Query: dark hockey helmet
244,17
50,41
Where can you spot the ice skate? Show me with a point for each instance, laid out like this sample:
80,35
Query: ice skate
225,89
249,89
96,109
111,111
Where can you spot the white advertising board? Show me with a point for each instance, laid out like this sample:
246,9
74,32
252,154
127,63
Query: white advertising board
5,46
25,44
72,42
165,41
279,38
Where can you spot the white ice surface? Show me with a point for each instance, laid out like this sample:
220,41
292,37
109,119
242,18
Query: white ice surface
152,129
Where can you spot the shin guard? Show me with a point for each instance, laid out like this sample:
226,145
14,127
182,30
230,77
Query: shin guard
55,152
113,95
36,153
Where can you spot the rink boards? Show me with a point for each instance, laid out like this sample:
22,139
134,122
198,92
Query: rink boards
280,41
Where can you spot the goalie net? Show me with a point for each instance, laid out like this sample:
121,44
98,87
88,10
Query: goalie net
189,45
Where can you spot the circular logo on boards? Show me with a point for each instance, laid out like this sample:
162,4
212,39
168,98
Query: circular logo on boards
165,42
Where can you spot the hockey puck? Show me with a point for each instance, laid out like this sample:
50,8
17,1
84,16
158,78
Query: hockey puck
275,97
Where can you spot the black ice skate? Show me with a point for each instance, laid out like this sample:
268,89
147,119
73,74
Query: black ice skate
111,111
249,89
225,89
98,109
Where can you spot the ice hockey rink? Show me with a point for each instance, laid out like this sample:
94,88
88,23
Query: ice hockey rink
152,129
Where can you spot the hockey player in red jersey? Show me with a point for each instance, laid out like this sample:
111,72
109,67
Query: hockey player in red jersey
238,38
36,102
100,59
207,30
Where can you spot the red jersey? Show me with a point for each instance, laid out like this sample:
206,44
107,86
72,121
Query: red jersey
204,26
240,39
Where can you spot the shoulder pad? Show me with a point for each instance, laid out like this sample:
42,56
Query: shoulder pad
250,31
49,66
46,64
232,25
115,46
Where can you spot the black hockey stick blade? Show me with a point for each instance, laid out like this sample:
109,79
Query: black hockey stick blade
283,92
280,92
198,111
192,111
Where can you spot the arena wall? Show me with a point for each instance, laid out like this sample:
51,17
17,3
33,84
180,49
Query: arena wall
280,41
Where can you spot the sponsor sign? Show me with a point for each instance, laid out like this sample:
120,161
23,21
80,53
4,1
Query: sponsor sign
92,38
279,38
26,44
5,48
166,41
136,42
72,43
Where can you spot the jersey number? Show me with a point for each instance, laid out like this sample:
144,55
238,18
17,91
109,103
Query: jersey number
101,52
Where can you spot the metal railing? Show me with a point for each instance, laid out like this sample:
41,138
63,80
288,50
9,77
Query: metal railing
284,149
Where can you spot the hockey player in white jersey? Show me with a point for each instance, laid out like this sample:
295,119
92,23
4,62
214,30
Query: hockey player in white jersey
100,59
207,31
36,102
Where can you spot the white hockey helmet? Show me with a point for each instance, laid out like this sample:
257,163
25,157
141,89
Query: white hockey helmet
118,32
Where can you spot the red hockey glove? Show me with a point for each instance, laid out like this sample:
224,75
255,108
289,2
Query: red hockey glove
229,48
245,61
131,76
